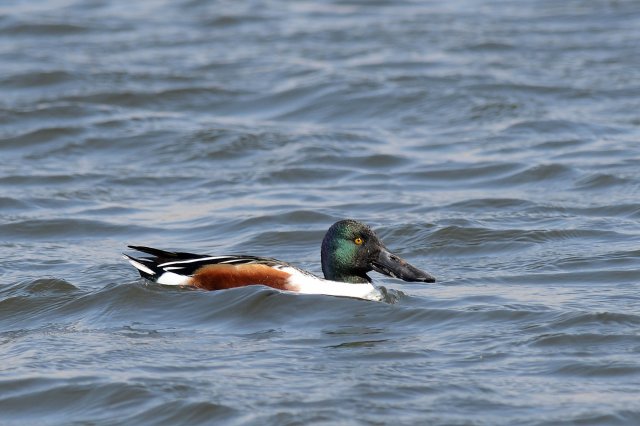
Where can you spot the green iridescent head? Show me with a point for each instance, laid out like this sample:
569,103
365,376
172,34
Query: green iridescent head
350,249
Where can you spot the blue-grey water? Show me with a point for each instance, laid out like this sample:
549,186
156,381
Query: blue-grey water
493,143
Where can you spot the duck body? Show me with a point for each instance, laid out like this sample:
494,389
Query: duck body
230,271
350,249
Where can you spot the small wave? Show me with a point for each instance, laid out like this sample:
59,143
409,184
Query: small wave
82,397
582,276
626,210
249,308
189,98
37,78
580,340
597,319
41,136
41,286
603,181
537,174
302,174
610,368
492,204
283,220
553,127
49,286
180,411
43,28
466,239
38,229
452,171
9,204
41,179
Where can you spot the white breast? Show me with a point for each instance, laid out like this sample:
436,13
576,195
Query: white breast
310,284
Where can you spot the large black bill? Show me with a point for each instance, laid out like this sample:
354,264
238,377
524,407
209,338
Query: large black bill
389,264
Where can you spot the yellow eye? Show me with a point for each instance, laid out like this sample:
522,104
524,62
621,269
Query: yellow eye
358,241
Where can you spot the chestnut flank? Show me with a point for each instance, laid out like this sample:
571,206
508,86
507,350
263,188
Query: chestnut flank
220,277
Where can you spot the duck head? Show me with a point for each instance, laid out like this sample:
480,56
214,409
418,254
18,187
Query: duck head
350,249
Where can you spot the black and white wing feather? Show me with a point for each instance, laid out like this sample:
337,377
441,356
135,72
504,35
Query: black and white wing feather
168,267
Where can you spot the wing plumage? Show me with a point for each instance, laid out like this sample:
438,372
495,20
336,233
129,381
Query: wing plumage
175,268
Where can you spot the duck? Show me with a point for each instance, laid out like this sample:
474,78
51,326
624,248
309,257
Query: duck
349,251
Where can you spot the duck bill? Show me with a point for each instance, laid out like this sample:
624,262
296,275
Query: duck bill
389,264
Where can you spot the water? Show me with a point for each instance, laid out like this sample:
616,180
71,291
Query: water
495,144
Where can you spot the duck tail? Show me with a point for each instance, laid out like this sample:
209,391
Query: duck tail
151,267
147,268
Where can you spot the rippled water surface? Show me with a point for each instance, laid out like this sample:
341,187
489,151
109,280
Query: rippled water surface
493,143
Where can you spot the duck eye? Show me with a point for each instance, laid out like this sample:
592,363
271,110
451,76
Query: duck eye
358,241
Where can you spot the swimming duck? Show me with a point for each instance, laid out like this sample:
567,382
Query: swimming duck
349,250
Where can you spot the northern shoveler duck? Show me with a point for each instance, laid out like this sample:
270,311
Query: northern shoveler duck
350,249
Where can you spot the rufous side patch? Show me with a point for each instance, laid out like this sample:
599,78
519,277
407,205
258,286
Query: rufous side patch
219,277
